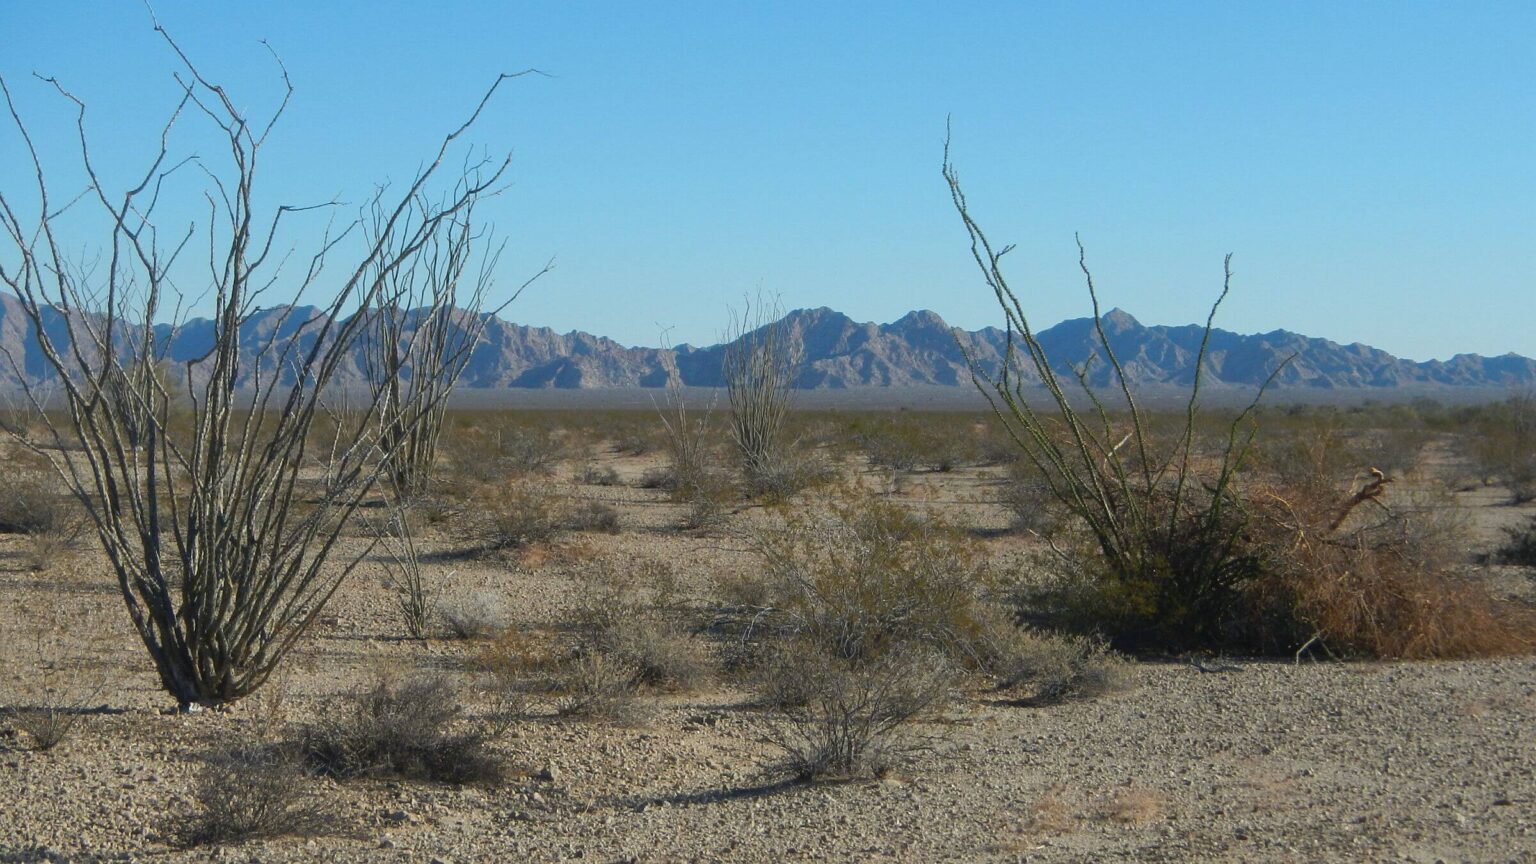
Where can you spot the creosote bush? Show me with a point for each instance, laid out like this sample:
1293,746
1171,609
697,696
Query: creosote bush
516,513
840,720
633,617
862,575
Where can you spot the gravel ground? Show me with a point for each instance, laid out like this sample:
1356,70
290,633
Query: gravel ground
1229,760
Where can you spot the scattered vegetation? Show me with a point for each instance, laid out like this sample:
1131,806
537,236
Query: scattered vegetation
1504,445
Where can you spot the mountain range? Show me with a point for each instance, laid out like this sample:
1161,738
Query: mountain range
838,353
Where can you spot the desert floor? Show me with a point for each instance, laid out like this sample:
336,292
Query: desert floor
1221,759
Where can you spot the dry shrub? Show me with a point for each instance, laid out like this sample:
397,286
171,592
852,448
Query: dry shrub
631,617
662,653
786,475
480,615
252,793
1519,545
46,549
708,506
1367,578
863,575
1030,502
598,686
589,515
1055,667
522,661
515,514
31,502
597,475
658,478
840,720
413,729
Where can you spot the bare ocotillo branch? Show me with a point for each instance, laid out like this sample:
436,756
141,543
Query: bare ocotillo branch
222,548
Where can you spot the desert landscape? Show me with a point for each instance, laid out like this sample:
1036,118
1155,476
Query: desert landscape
550,544
309,551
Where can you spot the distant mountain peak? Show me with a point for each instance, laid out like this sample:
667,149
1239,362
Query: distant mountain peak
920,319
917,349
1119,321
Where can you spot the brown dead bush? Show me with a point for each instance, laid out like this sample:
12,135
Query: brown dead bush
1366,575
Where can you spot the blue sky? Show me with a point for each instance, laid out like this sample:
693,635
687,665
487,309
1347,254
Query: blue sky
1370,164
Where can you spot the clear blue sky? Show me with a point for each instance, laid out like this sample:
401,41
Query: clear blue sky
1371,165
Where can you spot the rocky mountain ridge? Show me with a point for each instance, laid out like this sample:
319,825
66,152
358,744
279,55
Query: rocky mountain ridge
838,353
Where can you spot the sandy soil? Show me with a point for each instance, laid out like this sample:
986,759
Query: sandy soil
1225,760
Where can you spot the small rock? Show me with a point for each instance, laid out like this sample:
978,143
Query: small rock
548,774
